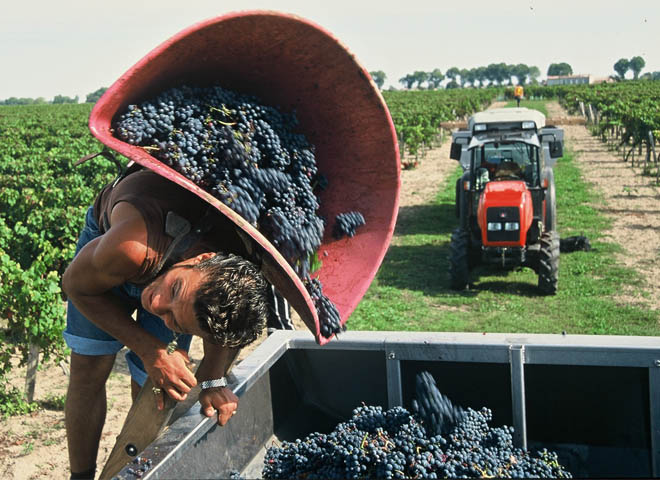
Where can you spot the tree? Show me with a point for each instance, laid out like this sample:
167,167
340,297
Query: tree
507,70
650,76
463,73
378,77
560,69
636,64
420,77
497,72
435,78
470,76
503,73
64,99
23,101
95,95
452,73
481,76
490,73
407,81
621,67
520,71
534,74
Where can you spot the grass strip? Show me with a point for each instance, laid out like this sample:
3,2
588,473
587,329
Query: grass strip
539,105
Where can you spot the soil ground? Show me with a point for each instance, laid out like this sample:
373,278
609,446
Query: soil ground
630,200
34,446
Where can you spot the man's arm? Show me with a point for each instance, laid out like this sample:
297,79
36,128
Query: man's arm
111,260
216,364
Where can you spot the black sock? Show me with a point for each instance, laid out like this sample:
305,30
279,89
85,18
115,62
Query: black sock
87,475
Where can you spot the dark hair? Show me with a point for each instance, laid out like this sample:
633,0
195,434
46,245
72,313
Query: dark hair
231,304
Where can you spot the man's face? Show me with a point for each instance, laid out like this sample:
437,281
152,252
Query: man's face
171,296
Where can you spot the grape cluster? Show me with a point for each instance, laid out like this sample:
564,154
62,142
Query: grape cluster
394,444
249,156
324,307
433,408
346,224
139,467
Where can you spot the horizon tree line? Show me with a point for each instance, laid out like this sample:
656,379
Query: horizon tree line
57,99
454,77
502,74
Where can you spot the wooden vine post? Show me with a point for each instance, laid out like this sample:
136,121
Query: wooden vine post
654,156
31,374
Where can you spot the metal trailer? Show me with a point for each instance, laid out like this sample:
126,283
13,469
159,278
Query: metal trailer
593,399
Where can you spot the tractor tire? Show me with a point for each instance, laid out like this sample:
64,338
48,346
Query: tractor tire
548,268
457,201
461,198
550,202
459,269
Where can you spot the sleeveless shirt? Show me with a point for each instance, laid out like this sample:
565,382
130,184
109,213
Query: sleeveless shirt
154,196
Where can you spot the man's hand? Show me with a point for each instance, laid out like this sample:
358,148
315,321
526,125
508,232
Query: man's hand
171,373
221,400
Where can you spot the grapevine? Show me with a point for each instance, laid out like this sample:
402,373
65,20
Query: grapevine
43,198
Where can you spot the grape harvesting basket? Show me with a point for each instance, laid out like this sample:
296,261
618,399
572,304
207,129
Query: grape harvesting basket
297,66
595,400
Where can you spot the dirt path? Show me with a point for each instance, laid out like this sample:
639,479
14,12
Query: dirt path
631,200
34,446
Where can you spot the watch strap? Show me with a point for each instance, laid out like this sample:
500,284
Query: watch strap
218,382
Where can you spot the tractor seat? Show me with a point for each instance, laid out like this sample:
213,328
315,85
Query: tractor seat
508,170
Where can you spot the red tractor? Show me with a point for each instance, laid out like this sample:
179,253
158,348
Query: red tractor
505,199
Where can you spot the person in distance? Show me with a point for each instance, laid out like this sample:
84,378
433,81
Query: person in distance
518,93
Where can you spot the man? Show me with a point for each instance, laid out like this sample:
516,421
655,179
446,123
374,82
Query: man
518,93
149,247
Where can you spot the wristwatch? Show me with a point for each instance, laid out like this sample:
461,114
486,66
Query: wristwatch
218,382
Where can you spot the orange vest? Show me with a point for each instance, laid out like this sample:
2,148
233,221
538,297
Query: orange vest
518,91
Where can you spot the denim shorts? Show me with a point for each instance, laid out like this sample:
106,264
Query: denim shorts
85,338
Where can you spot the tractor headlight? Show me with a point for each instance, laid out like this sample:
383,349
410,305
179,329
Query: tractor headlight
480,127
528,125
494,226
510,226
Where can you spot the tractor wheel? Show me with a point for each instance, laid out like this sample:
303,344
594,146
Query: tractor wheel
457,200
459,269
550,202
461,197
548,268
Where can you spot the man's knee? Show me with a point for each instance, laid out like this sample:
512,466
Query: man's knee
90,371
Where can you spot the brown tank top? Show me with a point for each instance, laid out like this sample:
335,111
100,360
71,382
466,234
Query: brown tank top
154,196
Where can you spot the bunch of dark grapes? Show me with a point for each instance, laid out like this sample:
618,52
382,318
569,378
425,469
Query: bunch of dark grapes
324,307
346,224
394,444
436,411
139,467
249,156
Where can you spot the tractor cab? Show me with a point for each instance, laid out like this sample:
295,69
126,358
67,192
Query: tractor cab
505,158
505,199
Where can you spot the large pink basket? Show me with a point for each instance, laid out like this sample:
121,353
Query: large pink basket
292,64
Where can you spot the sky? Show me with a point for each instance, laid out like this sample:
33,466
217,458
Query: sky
74,47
